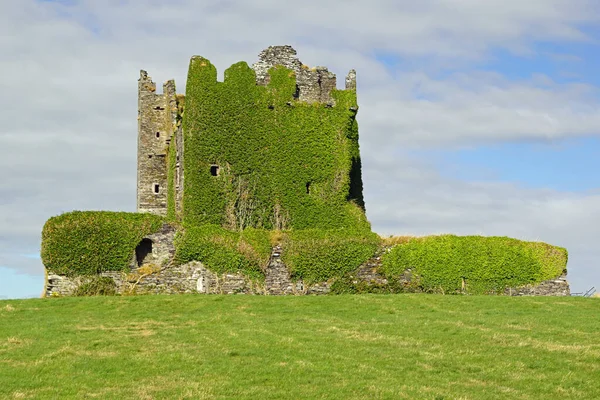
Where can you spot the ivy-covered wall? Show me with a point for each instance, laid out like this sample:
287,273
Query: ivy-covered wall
255,156
90,242
476,264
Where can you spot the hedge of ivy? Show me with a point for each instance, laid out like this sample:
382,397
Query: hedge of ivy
484,264
317,255
281,163
90,242
222,250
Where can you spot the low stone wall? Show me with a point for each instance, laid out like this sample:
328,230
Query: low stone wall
552,287
148,276
188,278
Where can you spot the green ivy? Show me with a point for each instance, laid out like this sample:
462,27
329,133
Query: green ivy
222,250
317,255
90,242
282,163
349,284
482,264
171,165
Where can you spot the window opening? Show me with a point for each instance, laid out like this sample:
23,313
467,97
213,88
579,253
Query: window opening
156,188
307,187
214,170
157,134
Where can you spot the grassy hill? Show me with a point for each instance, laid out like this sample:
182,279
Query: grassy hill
333,347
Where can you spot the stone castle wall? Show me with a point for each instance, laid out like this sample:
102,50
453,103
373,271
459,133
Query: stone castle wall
156,118
152,272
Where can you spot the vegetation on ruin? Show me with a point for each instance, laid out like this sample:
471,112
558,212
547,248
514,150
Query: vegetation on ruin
268,347
171,166
90,242
318,255
257,157
474,264
96,285
223,250
258,164
259,161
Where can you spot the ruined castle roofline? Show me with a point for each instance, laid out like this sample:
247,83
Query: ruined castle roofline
145,83
351,80
314,84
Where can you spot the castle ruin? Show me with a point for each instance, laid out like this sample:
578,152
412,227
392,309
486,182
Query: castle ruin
250,185
160,123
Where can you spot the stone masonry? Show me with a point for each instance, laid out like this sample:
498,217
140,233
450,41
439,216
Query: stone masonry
313,84
151,271
156,125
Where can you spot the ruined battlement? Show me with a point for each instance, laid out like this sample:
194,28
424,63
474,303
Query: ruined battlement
313,84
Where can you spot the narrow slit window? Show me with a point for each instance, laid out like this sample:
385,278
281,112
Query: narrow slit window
307,187
214,170
156,188
157,134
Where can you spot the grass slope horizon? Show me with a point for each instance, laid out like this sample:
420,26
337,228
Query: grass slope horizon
269,347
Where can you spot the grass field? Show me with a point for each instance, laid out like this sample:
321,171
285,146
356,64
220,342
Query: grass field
328,347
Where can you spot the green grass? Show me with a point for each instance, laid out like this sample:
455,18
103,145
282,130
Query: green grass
334,347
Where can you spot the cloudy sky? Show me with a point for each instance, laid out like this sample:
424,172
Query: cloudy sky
476,116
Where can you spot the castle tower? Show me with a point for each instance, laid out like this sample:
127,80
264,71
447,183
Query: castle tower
155,128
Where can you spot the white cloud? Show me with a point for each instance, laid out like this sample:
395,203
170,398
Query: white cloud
67,116
477,107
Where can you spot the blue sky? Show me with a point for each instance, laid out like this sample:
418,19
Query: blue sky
14,285
475,117
565,165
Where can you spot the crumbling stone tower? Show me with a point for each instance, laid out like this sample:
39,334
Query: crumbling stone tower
157,115
273,146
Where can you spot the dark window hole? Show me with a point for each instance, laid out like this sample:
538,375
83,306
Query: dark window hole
143,250
214,170
156,188
157,134
159,108
307,187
